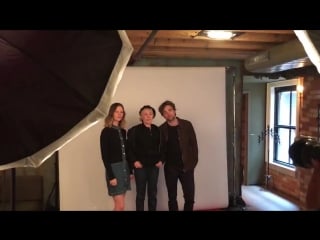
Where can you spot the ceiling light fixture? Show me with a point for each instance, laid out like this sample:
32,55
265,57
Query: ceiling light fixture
217,34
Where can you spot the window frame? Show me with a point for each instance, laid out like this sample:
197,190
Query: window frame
277,126
270,116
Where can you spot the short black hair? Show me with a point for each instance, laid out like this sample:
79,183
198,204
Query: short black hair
148,107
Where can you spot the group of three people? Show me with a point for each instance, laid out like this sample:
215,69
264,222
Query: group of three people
143,150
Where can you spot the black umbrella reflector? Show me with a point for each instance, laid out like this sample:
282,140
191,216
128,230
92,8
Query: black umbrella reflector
53,86
303,151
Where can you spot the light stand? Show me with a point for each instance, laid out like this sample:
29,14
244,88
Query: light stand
8,188
265,136
13,189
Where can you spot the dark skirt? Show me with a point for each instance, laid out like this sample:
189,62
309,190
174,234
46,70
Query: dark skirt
122,174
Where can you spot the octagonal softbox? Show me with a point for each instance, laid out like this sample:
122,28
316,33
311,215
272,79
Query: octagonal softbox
53,86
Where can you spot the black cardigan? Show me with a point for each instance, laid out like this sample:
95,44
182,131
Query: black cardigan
110,146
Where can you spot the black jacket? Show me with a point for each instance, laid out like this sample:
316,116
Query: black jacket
144,144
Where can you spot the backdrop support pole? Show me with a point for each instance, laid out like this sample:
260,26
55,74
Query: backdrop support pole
237,202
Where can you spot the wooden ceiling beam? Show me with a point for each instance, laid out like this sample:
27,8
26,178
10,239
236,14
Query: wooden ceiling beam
197,53
200,43
187,34
266,31
181,43
265,37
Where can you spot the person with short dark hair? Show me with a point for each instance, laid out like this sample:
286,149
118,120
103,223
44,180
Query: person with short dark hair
113,152
180,153
145,156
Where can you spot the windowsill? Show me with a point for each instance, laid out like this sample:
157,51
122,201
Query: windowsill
283,169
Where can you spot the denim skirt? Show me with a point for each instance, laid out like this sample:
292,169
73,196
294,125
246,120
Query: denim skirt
122,174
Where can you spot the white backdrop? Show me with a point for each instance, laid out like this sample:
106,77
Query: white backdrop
199,94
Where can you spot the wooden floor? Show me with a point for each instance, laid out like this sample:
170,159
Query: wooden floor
260,199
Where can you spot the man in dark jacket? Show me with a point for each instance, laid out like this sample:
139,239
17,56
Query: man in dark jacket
180,156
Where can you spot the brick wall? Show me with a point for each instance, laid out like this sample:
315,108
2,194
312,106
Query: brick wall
285,183
296,185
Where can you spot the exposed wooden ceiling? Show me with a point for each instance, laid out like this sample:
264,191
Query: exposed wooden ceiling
183,44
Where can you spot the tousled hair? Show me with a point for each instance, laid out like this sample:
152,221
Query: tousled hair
166,103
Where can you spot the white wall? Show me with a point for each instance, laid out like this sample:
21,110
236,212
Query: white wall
199,95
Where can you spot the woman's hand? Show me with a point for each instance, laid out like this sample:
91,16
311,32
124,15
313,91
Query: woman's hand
159,164
137,164
113,182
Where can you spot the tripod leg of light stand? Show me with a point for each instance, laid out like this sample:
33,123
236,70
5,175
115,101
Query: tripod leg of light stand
268,176
267,181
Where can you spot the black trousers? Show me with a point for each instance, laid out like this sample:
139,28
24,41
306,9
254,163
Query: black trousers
146,178
172,175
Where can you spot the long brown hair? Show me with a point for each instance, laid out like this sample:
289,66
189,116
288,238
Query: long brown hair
109,118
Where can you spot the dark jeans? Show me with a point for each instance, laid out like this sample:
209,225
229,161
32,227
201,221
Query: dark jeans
146,176
187,182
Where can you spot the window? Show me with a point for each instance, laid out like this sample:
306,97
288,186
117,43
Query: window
283,103
284,123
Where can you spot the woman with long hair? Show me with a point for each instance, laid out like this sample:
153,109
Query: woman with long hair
113,152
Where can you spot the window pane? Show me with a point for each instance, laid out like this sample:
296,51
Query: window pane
285,114
293,135
283,145
284,108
